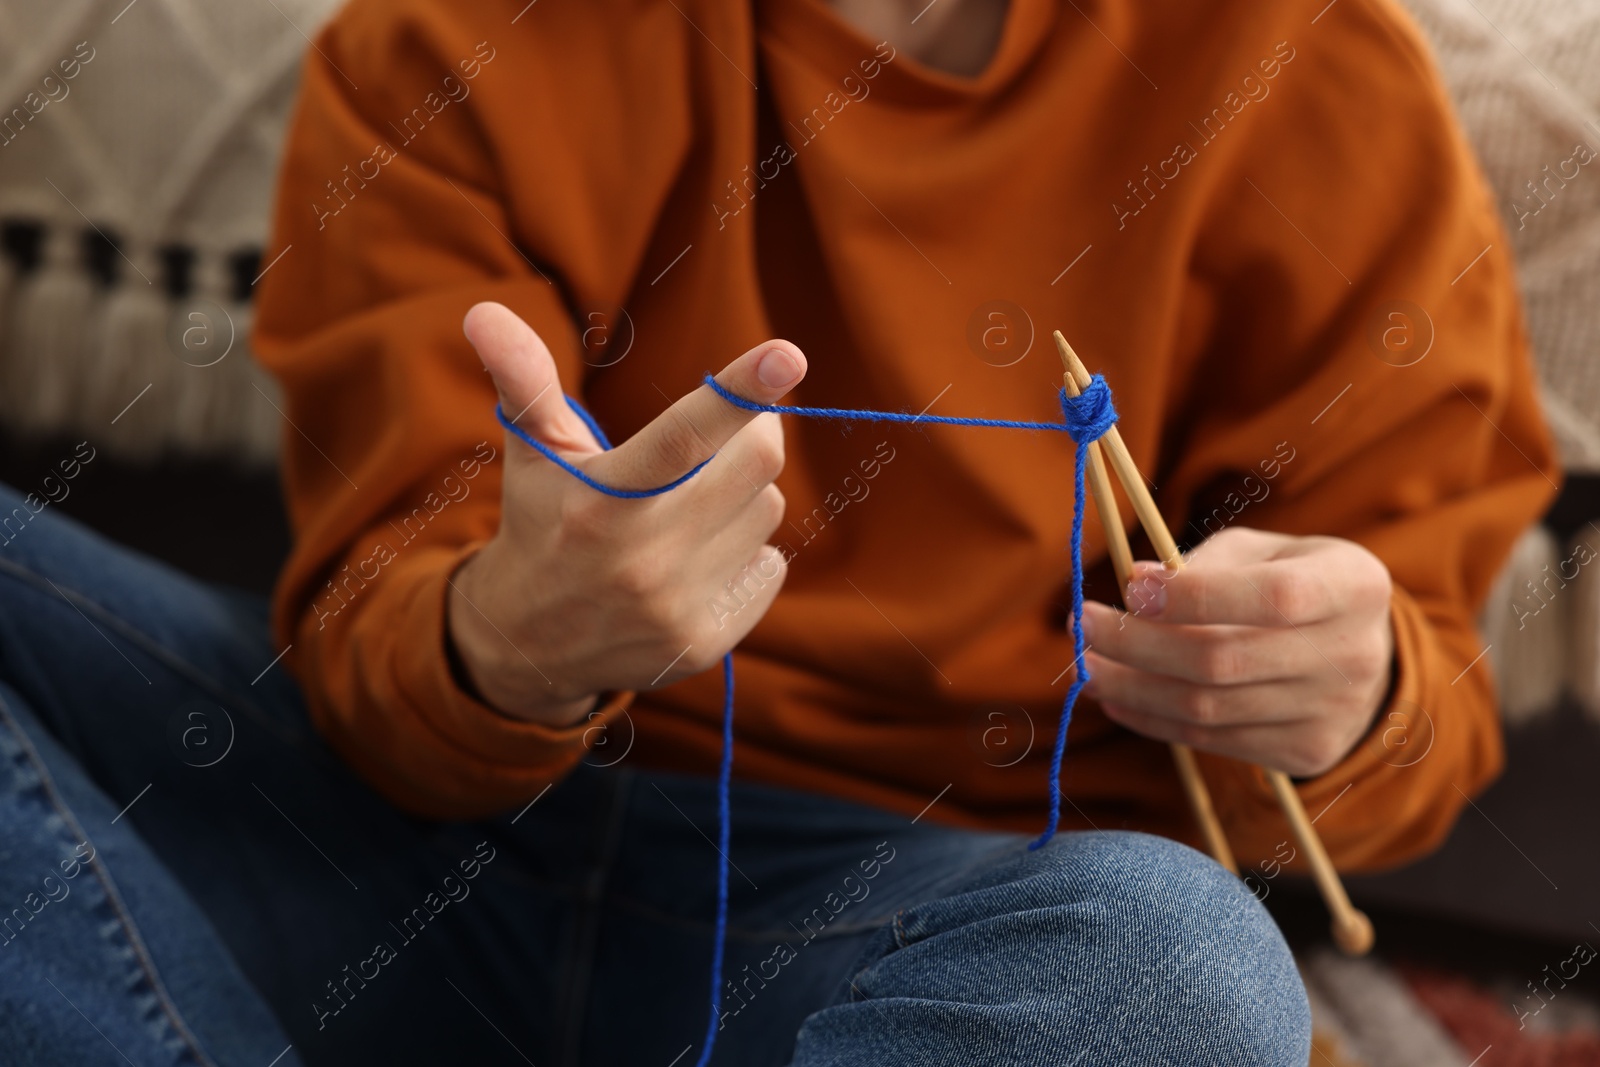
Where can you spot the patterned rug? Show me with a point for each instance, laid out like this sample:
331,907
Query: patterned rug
1374,1013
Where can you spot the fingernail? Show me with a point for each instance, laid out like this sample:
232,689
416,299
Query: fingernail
777,369
1147,596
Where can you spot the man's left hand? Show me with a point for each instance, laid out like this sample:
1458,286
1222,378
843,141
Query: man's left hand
1274,649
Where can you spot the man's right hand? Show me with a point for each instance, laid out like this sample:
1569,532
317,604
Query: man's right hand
578,592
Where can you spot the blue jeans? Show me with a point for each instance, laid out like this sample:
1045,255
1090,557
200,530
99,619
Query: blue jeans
189,876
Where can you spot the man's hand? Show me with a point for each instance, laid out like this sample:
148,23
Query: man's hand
1274,649
579,592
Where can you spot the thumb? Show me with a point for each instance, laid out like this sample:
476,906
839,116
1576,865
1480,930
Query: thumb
525,378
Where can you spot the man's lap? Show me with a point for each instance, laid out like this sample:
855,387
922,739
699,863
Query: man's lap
578,928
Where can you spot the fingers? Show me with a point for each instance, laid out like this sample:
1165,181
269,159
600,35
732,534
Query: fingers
1209,655
740,470
728,609
1268,648
739,603
1195,704
695,428
525,377
750,526
1250,577
1275,592
1288,747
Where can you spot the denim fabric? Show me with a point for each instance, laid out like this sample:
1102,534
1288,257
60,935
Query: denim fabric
189,876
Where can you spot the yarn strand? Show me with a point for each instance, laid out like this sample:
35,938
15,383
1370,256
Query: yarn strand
1084,418
1080,674
724,821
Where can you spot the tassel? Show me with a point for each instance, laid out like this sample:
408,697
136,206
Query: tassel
205,342
1583,617
263,427
227,416
48,331
1524,624
138,373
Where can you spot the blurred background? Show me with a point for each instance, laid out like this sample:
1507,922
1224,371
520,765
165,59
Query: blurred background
138,146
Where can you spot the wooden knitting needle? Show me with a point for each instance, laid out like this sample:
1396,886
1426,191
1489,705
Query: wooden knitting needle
1144,506
1352,930
1194,786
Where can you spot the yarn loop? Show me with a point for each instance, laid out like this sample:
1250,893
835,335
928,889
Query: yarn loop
1084,418
1089,416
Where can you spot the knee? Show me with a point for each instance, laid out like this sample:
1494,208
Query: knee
1121,880
1191,950
1152,949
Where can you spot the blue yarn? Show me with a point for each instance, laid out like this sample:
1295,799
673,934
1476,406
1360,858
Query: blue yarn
588,420
724,819
599,435
1074,416
1084,418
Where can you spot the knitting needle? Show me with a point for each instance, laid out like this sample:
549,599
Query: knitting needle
1194,786
1144,506
1352,930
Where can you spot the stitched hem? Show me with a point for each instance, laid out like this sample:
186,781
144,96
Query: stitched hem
156,1008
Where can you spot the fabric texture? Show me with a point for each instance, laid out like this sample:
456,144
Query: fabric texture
1527,88
1525,84
1517,73
1377,1013
1257,344
1528,626
138,147
207,883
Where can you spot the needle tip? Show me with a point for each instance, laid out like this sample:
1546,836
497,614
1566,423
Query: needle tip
1070,361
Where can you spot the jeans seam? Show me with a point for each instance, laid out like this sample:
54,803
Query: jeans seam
114,898
151,647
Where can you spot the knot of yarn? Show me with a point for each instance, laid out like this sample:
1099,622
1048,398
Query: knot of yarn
1090,414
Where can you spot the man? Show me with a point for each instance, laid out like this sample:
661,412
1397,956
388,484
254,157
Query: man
1260,225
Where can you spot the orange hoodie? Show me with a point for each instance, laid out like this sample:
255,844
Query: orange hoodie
1258,221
